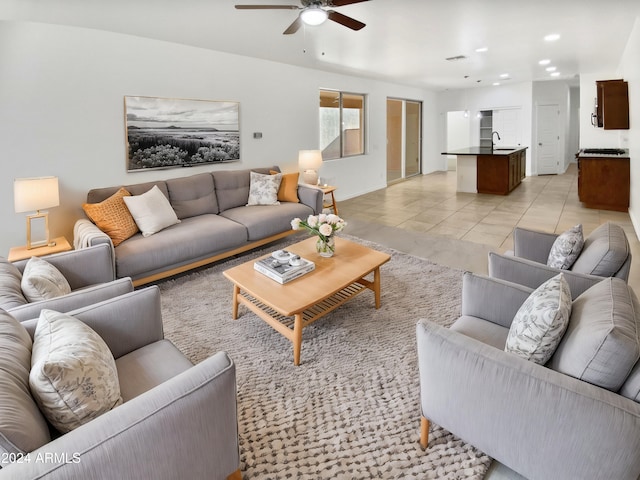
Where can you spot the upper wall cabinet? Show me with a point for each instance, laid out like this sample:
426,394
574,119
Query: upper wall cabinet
612,105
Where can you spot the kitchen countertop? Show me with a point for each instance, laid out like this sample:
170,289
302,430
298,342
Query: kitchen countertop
485,151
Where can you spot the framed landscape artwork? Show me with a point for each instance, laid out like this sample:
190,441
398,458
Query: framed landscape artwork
168,132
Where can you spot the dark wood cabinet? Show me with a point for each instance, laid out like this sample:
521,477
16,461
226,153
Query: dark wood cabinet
612,111
604,182
500,174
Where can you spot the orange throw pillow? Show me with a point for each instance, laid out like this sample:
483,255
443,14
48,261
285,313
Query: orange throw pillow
113,217
288,191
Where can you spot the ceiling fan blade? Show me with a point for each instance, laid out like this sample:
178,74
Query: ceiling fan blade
267,7
293,28
342,3
348,22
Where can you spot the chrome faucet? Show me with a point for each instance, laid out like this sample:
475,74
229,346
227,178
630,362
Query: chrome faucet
492,142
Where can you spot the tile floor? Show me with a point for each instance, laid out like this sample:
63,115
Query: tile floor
429,204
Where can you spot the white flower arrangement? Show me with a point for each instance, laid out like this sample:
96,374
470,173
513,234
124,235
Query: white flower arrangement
323,225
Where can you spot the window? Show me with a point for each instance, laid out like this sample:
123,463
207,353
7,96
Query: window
341,124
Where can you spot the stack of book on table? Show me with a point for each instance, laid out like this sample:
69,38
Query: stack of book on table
274,268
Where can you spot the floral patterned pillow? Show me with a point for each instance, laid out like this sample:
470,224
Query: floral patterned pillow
566,248
263,189
540,323
73,373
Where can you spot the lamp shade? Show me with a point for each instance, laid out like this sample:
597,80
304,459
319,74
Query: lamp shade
309,159
32,194
313,15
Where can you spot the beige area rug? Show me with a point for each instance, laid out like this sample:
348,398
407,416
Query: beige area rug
351,409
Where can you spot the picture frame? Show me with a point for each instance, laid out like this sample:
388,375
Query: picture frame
172,133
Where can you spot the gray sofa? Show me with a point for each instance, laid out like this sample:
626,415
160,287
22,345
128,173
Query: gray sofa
539,422
177,420
215,222
90,273
606,253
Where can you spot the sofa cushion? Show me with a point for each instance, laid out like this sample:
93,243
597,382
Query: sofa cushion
193,195
604,251
42,281
10,291
482,330
151,211
566,248
113,217
195,238
232,187
149,366
602,342
266,220
541,321
263,189
288,190
73,375
23,428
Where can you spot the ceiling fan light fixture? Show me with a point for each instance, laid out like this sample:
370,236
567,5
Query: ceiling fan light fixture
313,15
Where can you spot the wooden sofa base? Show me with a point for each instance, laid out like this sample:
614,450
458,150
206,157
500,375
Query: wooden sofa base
237,475
205,261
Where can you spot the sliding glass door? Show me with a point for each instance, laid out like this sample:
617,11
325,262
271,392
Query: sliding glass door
404,141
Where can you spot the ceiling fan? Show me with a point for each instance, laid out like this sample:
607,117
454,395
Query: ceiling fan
313,12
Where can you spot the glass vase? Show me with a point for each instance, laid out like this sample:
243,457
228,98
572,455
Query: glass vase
326,248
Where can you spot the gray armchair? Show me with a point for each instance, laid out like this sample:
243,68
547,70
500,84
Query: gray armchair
537,421
177,420
90,273
606,253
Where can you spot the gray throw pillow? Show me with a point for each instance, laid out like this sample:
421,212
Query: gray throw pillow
22,426
541,321
566,249
10,290
601,344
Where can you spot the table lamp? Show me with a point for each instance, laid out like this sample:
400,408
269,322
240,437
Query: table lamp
36,193
310,161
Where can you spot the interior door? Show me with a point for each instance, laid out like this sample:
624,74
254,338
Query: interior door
548,139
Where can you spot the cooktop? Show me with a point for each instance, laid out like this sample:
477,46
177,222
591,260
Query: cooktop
605,151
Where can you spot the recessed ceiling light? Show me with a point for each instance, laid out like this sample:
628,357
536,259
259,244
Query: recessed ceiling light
544,62
504,75
482,49
550,69
552,37
555,74
495,84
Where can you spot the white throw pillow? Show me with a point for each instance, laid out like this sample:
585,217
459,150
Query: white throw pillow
151,211
42,281
73,373
540,323
263,189
565,250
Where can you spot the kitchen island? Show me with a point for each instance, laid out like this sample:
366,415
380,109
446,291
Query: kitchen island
496,170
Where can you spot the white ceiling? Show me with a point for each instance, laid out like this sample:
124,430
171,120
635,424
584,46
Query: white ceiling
405,41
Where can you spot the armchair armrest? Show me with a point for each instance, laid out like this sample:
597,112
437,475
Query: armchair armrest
311,197
74,300
509,407
126,323
186,427
532,245
533,274
84,267
492,299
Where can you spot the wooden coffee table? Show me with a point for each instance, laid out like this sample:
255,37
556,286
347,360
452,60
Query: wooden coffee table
290,307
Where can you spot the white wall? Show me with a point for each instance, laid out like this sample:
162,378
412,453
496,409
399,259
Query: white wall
630,71
62,89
